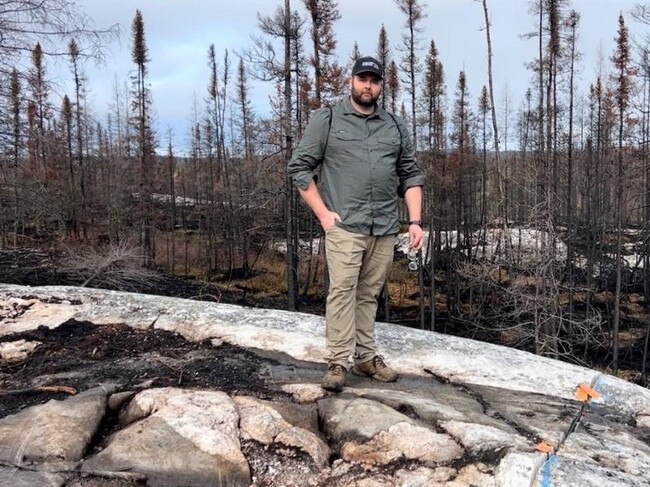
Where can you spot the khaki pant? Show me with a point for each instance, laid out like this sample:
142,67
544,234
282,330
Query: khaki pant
358,266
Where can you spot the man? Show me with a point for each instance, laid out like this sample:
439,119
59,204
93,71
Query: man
367,162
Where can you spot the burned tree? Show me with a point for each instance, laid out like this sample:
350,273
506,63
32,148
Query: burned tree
141,108
415,14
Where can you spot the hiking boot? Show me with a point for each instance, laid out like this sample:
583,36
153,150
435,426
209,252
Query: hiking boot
334,379
377,369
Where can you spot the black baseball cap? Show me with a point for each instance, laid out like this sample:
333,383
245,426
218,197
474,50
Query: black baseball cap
368,64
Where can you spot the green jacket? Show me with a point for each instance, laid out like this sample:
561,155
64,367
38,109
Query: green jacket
361,177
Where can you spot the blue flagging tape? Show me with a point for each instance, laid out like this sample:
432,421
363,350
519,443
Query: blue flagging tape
546,470
594,386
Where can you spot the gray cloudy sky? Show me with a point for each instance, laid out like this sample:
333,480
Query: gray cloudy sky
178,34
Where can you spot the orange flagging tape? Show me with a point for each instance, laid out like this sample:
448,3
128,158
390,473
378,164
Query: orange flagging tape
584,393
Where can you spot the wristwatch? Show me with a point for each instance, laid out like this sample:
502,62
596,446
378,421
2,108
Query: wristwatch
415,222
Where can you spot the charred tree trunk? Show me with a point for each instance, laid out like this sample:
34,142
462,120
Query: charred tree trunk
291,204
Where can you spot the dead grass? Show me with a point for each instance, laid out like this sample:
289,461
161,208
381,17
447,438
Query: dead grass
269,278
115,266
631,336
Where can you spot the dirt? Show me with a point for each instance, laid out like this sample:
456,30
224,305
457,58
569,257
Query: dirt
277,465
81,480
280,466
81,355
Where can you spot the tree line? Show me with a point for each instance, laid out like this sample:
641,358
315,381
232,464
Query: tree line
537,214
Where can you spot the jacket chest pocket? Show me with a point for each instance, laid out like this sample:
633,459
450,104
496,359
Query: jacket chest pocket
347,143
343,136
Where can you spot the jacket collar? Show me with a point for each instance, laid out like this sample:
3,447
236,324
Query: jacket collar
348,109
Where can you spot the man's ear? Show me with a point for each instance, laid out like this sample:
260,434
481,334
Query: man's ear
350,82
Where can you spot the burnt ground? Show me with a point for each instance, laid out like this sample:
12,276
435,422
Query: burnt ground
38,267
81,355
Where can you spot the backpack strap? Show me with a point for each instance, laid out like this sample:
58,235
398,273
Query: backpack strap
329,129
401,140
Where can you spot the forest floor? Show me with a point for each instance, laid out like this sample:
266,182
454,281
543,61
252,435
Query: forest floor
37,267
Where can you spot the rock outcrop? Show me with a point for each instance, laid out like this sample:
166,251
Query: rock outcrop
56,434
177,437
464,413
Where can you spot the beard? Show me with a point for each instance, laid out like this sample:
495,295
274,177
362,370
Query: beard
364,98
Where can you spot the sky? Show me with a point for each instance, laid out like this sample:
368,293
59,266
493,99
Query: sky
179,32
